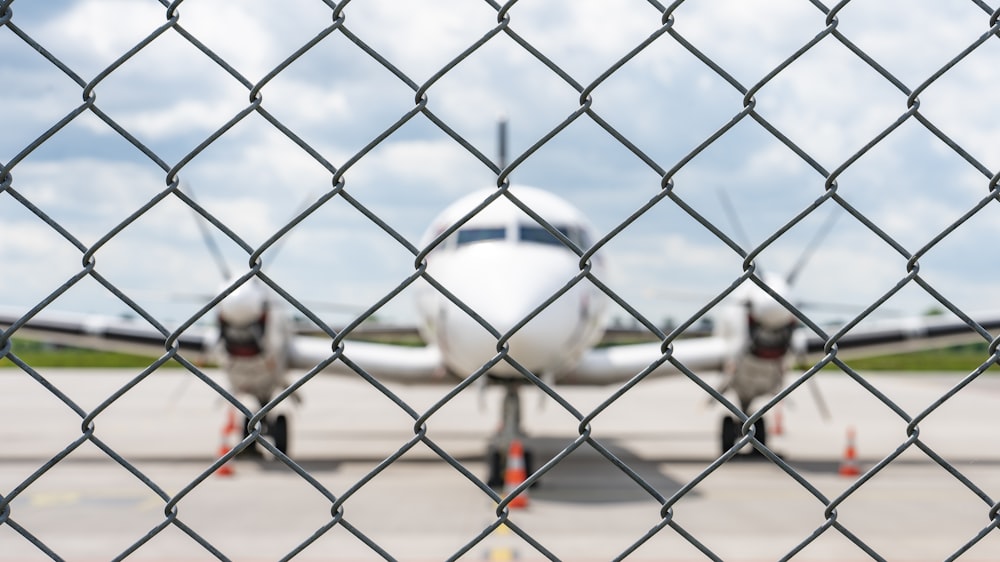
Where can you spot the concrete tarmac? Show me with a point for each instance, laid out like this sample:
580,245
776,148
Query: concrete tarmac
419,508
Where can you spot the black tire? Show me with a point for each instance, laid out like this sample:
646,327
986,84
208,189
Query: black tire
761,432
253,449
730,432
279,432
529,466
495,467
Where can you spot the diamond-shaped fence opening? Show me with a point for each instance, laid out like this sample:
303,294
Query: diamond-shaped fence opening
843,152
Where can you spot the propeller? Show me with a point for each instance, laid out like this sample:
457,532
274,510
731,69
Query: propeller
227,275
783,286
765,309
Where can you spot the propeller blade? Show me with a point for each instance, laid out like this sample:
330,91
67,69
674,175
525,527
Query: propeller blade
272,252
812,246
206,235
817,394
734,217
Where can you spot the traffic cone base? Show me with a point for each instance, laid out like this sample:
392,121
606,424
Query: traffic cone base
228,440
226,469
777,422
849,465
515,475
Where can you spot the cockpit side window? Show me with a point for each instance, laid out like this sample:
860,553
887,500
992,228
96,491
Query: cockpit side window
470,235
539,235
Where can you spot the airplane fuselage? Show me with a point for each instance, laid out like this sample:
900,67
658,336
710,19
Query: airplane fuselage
502,267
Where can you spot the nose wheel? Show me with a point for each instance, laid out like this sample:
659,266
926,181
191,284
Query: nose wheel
274,428
497,461
510,431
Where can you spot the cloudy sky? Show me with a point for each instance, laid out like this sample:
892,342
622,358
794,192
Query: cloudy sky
337,98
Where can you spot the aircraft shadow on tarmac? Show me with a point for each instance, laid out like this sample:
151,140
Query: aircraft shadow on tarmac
587,476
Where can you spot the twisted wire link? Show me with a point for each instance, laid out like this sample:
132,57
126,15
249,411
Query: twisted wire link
504,30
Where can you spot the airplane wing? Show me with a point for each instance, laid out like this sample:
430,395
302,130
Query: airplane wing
384,361
899,335
614,364
606,365
108,333
619,363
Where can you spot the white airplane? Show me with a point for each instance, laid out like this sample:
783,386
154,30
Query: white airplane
498,268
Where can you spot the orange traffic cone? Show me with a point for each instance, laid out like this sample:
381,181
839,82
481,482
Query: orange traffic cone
777,421
228,439
849,466
515,475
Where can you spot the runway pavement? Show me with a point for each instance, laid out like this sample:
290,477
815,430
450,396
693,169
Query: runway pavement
87,507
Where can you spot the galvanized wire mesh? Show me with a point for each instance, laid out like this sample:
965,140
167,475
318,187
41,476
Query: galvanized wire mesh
503,28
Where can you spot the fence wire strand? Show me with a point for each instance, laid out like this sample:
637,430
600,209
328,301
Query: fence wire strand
503,29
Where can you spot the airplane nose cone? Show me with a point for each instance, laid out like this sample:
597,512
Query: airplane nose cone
505,301
767,311
537,346
771,314
245,304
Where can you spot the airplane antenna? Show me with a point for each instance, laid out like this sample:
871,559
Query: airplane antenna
502,143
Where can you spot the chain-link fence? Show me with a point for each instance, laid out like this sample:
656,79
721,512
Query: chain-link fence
410,98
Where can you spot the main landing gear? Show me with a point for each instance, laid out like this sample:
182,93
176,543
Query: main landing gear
510,430
731,433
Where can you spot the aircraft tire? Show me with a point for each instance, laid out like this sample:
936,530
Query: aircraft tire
761,432
495,468
253,449
730,431
529,465
279,432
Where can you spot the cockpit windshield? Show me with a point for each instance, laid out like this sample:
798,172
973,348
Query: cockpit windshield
539,235
528,233
470,235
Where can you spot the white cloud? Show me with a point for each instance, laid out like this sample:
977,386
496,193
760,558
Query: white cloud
26,241
440,166
424,37
313,102
944,30
238,33
178,118
88,195
584,37
91,35
748,39
252,219
665,101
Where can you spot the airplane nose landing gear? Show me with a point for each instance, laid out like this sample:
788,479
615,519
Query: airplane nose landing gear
510,430
731,434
